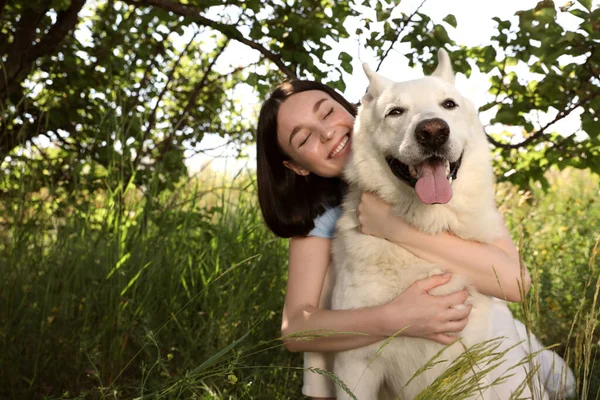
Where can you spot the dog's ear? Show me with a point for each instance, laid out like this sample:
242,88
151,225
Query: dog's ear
444,68
376,84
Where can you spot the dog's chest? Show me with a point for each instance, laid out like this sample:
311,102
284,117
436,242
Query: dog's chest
371,271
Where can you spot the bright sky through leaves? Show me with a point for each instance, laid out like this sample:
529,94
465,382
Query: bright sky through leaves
474,27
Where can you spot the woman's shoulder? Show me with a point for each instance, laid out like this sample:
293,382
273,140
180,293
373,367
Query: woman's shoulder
325,223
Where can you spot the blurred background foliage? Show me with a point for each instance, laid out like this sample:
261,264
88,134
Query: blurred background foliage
82,80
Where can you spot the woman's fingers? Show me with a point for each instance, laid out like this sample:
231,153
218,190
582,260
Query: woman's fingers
450,327
443,338
455,299
434,281
456,326
456,315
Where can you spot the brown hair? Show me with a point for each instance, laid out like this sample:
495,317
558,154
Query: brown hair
290,202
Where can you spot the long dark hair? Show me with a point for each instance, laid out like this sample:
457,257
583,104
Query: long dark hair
290,202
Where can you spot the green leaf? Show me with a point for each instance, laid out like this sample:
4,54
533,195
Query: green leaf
546,14
382,14
346,61
511,61
580,13
591,124
502,24
440,33
587,4
450,20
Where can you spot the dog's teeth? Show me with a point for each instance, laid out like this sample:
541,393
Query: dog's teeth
450,180
413,171
447,164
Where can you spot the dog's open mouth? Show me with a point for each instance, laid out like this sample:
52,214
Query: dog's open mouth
432,178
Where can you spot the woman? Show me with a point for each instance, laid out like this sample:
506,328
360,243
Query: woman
303,142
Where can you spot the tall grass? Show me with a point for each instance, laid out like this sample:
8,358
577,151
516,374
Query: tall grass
135,294
558,231
117,300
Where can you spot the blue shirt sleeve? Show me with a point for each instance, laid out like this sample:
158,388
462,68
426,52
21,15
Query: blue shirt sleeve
325,223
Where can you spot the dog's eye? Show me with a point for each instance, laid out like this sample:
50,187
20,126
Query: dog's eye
396,111
449,104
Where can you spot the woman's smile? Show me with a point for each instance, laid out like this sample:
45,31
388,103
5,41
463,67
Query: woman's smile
341,146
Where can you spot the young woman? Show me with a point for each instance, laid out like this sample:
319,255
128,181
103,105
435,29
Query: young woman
304,139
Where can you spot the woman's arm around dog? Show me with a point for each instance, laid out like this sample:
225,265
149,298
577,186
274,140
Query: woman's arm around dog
494,269
414,312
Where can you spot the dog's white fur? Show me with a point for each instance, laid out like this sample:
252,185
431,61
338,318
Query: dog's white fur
371,271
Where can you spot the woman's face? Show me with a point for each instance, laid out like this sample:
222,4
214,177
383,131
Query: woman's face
314,131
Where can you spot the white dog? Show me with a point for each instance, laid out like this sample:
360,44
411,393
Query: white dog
420,146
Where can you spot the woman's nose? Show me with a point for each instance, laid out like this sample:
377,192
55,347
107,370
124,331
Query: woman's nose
327,134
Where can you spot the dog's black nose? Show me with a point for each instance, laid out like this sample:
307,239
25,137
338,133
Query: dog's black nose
432,133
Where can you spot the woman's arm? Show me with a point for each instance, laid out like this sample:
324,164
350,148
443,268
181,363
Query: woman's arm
421,314
494,269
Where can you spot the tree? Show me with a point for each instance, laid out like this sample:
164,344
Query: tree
105,82
568,64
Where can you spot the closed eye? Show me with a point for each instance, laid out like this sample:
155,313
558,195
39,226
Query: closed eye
305,140
329,113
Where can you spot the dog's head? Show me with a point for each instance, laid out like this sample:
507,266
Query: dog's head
421,130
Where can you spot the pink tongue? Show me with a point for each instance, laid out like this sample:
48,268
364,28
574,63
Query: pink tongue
432,186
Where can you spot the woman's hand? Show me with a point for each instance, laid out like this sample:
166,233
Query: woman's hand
417,313
376,218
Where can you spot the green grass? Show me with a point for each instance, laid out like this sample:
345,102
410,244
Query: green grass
130,294
114,302
558,232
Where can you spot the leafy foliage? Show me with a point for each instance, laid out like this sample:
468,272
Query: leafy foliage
97,80
567,64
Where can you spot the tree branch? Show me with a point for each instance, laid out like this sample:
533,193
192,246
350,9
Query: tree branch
20,134
398,33
199,86
233,137
152,118
159,49
66,20
228,30
16,69
539,133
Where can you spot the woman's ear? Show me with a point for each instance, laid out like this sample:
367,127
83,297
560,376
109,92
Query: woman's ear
296,168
